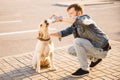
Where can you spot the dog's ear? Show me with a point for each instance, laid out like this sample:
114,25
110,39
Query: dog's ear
40,35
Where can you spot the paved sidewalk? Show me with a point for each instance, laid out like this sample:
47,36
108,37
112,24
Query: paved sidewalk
19,67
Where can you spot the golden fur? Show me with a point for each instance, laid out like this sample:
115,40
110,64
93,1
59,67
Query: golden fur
44,50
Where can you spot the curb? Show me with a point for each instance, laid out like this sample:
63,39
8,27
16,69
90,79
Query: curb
82,3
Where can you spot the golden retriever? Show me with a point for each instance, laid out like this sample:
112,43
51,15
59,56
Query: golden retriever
44,50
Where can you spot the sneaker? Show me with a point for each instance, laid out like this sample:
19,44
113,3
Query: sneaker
93,64
80,73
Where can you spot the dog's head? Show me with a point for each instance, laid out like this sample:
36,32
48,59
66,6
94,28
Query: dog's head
43,30
44,24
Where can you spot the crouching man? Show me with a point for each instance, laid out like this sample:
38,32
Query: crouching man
90,42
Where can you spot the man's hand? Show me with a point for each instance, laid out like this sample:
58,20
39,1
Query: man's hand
61,19
57,18
55,35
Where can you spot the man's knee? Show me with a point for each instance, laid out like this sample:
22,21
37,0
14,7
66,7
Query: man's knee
78,41
71,51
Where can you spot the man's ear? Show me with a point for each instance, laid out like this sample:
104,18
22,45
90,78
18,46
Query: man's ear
79,13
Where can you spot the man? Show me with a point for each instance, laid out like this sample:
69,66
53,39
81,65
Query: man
90,42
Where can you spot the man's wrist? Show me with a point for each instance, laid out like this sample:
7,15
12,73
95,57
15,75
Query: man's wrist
61,18
60,35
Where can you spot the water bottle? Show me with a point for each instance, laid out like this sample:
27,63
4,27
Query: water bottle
53,19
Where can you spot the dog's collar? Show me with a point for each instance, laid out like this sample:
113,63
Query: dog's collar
44,39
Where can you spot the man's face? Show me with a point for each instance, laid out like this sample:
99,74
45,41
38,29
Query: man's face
72,13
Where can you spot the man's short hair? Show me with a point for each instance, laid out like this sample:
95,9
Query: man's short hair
76,6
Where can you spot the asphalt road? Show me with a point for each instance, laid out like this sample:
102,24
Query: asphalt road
19,21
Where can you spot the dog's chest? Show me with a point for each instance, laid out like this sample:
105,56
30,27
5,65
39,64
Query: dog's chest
44,55
45,51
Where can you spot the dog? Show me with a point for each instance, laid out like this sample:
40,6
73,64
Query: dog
44,50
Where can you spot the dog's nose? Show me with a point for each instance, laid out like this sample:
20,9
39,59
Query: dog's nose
46,22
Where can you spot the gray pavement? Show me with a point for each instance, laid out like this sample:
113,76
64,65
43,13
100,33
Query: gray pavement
18,67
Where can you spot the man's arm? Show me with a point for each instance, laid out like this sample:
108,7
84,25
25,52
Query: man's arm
63,19
62,33
66,32
68,20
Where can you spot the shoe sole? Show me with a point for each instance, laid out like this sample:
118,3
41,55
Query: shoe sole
80,75
96,65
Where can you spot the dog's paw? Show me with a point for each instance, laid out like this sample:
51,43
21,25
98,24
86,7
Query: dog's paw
34,66
38,71
53,68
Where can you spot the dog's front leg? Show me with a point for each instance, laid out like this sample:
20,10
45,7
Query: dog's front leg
38,63
34,61
36,52
52,66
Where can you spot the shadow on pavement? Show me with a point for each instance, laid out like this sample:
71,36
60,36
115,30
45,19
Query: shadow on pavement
22,73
